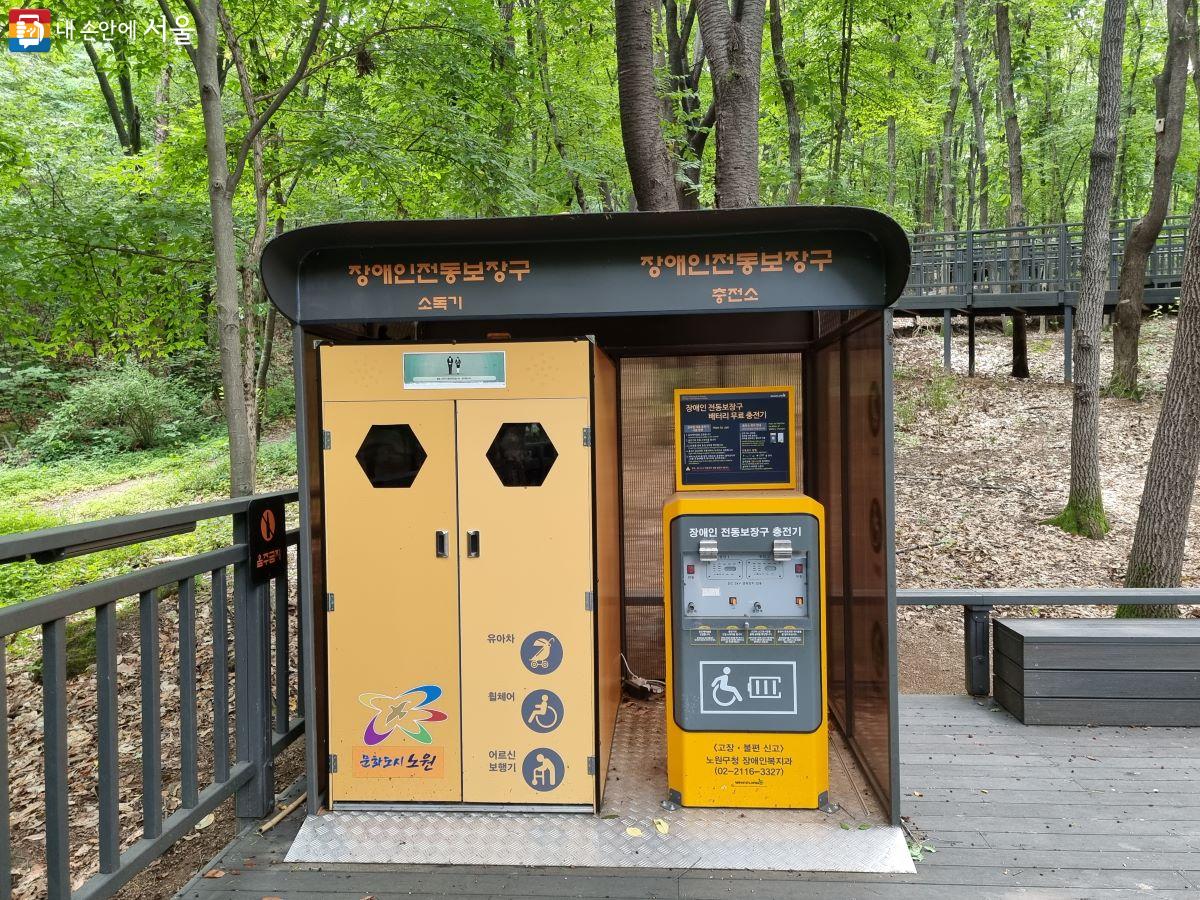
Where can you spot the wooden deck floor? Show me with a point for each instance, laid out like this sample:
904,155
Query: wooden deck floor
1011,810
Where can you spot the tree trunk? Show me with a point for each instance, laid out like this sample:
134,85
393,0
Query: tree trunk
949,211
220,198
252,292
685,61
891,136
133,115
929,202
1156,557
1084,512
1016,180
961,36
1120,209
110,99
1170,96
733,47
787,88
650,167
505,63
162,96
543,64
839,128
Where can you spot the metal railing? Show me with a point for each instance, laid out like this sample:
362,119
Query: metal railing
1036,266
263,724
977,604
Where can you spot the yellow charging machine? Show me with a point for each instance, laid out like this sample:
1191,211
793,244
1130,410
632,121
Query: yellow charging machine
745,601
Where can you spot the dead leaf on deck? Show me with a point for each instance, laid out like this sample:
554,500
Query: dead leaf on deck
214,873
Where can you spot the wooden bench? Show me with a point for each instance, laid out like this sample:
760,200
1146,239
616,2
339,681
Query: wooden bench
1098,671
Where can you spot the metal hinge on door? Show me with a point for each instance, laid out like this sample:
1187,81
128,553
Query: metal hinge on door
591,765
326,440
329,602
589,601
587,436
332,763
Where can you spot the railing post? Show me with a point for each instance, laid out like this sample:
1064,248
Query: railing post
252,663
108,750
54,721
977,656
946,327
1064,260
969,281
1068,327
971,343
5,830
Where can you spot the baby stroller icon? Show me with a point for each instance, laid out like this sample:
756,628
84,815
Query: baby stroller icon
541,658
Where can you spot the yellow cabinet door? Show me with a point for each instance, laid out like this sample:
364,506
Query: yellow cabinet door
525,548
394,707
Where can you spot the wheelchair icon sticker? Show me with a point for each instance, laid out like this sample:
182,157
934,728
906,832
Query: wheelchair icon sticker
542,711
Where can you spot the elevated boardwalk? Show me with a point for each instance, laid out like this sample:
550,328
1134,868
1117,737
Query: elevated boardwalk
1035,269
1010,810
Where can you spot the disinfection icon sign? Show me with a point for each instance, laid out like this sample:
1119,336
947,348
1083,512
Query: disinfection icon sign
541,653
543,769
542,711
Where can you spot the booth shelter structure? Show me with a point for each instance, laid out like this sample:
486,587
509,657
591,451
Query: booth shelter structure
473,510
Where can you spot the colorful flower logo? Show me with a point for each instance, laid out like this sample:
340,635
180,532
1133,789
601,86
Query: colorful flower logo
407,711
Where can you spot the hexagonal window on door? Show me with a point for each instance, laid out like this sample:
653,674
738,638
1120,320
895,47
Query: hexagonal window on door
391,456
522,454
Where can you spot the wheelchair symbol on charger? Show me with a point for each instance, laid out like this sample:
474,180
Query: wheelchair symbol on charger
721,686
748,687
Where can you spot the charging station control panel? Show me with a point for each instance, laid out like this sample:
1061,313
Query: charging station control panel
747,656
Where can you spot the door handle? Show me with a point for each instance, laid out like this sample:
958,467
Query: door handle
472,544
442,543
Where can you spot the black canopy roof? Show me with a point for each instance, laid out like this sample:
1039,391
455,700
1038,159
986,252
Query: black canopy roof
597,264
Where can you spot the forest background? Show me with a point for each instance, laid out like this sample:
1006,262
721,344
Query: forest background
158,145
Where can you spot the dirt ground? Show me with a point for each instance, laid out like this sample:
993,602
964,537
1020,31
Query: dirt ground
982,462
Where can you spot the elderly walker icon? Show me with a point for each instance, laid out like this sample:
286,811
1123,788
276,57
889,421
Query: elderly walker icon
544,773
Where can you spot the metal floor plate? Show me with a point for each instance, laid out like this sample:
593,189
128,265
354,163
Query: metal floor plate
792,840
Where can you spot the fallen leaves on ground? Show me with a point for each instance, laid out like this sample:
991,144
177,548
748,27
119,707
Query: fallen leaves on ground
983,462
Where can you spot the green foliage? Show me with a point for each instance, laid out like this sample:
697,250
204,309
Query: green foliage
905,413
43,495
28,391
940,392
125,408
279,402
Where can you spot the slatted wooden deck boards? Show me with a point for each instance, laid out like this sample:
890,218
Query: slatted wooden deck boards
1012,810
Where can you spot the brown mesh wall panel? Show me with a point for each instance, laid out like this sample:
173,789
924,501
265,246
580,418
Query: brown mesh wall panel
648,471
866,508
